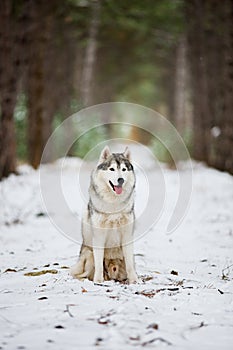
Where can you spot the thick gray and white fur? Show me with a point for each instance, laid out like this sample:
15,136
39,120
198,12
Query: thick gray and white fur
108,223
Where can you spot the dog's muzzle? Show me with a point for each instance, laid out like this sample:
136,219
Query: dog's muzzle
117,188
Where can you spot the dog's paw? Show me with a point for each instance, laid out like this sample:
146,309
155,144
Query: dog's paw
98,279
133,279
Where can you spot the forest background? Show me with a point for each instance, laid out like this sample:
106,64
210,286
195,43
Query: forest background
174,56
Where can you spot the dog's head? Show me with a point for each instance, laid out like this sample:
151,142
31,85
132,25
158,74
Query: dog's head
116,170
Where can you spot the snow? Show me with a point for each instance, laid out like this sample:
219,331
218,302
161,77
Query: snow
190,308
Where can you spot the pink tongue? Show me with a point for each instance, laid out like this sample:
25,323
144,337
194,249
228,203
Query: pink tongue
118,189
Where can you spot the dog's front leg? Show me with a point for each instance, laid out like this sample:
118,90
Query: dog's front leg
127,248
129,263
98,251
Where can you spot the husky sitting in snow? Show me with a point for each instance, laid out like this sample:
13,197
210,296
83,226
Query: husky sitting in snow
108,224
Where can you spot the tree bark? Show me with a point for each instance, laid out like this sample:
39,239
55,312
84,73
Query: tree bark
197,57
90,55
180,115
210,34
9,69
223,144
39,99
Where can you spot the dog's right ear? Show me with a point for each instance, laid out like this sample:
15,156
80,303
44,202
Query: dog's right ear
104,154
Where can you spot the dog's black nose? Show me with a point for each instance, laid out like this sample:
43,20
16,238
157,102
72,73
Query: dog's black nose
120,181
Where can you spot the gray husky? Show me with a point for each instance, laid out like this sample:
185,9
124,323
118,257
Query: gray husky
108,223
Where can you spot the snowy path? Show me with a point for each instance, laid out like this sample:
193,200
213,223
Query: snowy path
191,308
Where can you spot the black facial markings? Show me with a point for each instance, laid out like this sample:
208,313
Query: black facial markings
119,158
128,165
112,185
104,165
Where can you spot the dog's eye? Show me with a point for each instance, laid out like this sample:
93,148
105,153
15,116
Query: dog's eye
111,169
124,169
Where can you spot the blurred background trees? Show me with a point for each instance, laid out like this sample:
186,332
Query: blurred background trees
210,43
56,57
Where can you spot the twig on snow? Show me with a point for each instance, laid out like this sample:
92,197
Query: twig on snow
156,339
225,276
68,309
202,324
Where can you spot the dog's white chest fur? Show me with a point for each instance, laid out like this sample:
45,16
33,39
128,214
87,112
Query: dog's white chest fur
111,221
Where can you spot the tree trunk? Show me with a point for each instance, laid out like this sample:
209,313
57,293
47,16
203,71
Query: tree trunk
197,56
222,157
9,69
90,55
7,137
39,100
210,35
180,111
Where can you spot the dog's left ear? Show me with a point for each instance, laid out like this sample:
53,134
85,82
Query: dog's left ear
127,153
104,154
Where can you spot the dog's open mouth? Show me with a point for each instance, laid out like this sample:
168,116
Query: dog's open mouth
116,189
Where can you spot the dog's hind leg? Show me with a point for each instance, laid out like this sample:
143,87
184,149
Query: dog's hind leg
84,268
78,269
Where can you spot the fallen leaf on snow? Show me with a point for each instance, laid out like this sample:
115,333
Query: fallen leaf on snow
59,327
39,273
103,320
98,341
175,289
153,326
114,297
135,338
147,293
147,278
10,270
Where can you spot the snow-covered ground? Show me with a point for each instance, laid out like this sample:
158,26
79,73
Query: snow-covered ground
184,300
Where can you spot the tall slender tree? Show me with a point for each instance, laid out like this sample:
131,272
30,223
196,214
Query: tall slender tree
90,54
50,71
210,38
11,37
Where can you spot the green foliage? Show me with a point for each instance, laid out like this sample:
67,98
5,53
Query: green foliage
160,150
143,86
188,139
88,141
136,42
